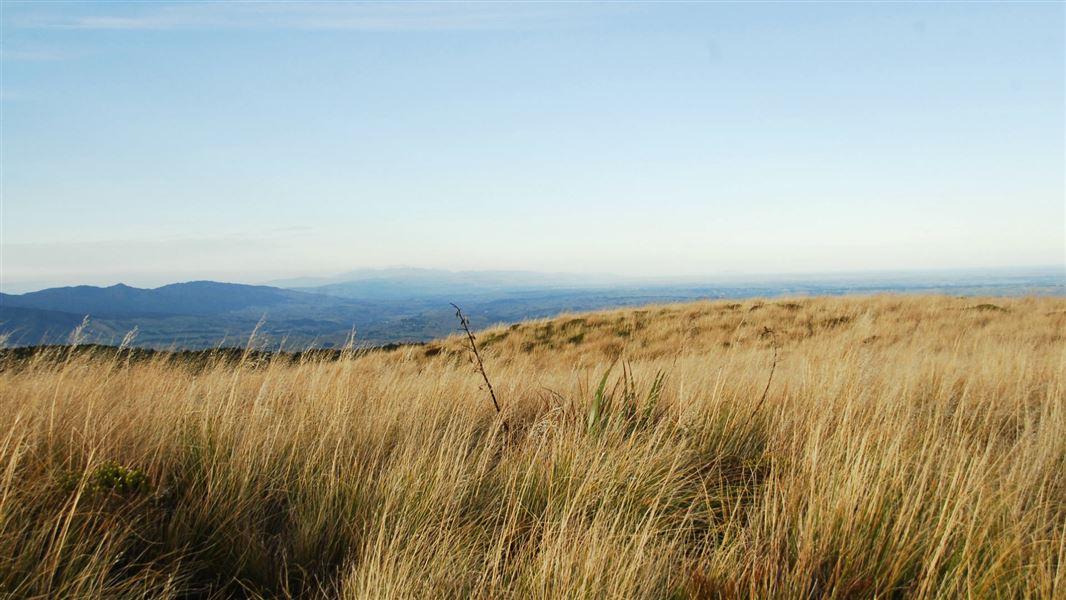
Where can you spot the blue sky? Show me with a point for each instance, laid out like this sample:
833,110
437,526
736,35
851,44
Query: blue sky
148,142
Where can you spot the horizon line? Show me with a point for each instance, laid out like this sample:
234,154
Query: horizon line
710,278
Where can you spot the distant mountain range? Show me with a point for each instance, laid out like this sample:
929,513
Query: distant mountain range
407,305
194,314
121,301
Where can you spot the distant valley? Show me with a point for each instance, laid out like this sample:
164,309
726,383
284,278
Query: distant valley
411,305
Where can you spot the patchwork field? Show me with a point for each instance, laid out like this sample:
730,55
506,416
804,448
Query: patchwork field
857,447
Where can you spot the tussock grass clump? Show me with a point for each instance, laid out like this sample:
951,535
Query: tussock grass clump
988,306
890,447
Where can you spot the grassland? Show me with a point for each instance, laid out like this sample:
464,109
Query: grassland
889,447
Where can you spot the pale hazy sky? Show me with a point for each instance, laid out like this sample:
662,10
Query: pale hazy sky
148,142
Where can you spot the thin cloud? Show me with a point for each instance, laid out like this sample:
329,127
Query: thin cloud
111,22
317,16
34,55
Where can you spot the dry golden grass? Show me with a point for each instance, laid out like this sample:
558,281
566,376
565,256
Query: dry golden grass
907,447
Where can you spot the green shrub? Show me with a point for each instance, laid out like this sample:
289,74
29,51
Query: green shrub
111,477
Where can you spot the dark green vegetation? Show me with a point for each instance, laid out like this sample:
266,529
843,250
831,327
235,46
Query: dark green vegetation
196,360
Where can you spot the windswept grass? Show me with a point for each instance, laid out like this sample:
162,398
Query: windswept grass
906,447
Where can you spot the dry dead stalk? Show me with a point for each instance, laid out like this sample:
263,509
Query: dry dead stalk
766,331
465,323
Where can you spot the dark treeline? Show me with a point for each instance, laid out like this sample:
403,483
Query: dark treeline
19,357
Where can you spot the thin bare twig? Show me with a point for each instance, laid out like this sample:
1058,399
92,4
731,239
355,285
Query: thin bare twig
773,367
477,355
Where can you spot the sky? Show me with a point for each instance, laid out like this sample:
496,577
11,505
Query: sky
152,142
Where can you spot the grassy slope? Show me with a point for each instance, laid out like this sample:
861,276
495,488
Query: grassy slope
907,447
